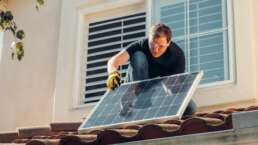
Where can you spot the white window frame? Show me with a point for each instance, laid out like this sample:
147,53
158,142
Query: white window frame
150,13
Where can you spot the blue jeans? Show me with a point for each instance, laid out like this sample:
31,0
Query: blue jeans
138,70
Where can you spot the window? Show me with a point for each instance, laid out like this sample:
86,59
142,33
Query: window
200,28
105,39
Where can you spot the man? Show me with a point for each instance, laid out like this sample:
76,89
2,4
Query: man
149,58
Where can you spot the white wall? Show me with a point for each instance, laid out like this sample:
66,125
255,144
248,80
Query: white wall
26,87
255,24
68,69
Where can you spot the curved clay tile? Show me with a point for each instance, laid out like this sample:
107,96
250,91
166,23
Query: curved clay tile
44,142
200,114
212,121
193,125
216,115
40,137
198,123
251,108
24,140
110,137
173,121
127,132
231,110
220,112
36,142
71,140
137,127
152,131
169,127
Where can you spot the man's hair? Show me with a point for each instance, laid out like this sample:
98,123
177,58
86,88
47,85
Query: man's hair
159,30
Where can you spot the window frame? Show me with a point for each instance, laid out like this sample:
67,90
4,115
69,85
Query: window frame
78,99
153,19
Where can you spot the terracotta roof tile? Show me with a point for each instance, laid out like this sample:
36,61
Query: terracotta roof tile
44,142
8,137
33,131
169,127
252,108
126,132
24,140
65,133
65,126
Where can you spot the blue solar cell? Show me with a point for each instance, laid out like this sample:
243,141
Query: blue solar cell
148,99
172,110
162,111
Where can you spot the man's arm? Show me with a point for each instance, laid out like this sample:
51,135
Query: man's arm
119,59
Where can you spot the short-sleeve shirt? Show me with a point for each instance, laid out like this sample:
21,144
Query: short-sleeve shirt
169,63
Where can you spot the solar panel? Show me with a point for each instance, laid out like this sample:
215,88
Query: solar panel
143,101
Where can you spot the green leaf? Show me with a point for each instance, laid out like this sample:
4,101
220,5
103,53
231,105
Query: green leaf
6,24
8,16
20,34
40,2
19,50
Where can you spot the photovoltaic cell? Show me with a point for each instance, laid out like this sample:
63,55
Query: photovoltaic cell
142,101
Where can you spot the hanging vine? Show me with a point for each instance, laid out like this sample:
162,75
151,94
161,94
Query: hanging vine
7,23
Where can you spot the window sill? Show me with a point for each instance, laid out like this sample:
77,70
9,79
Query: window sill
83,106
217,84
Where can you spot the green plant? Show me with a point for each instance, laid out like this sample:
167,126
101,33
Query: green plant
7,23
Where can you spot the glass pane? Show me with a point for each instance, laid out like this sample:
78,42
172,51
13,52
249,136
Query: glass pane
207,53
205,15
174,15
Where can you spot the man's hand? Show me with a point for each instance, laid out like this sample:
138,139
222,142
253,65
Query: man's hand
113,80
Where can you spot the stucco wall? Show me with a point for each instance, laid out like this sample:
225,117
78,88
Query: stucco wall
255,16
26,87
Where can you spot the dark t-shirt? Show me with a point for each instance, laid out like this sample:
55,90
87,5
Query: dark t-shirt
169,63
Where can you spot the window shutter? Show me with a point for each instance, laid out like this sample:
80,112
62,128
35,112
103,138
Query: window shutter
105,39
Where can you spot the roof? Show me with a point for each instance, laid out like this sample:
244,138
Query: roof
65,133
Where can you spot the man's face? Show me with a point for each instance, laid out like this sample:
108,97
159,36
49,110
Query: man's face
158,46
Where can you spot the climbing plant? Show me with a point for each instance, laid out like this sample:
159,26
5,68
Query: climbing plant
7,23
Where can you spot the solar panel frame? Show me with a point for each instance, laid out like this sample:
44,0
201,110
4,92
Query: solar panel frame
178,115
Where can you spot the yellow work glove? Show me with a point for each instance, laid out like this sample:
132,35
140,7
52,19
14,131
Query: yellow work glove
113,80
